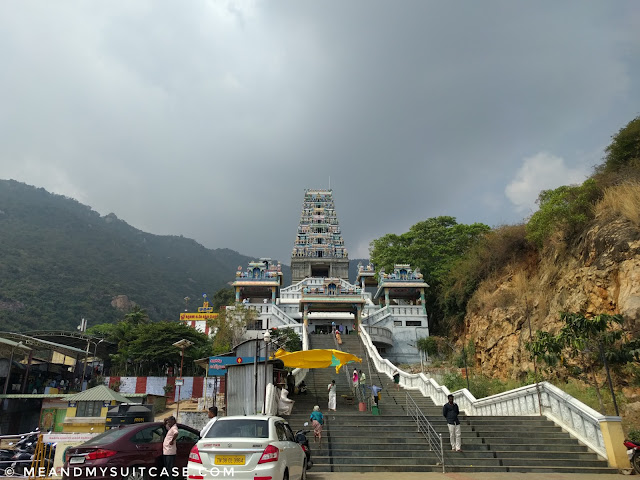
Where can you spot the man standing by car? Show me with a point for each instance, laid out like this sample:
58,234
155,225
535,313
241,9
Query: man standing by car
169,447
213,416
450,411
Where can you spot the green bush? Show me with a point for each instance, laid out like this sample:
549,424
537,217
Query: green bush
634,435
567,209
454,381
429,345
480,386
588,396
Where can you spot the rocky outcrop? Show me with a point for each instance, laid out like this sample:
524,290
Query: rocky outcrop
122,303
600,273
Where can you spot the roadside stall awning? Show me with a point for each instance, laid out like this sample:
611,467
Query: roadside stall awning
316,358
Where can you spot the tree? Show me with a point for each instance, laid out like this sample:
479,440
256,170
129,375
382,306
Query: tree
151,350
428,345
222,298
624,150
229,327
147,348
433,245
286,338
137,316
577,348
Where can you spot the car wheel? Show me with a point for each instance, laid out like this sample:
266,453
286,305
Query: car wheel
136,473
304,471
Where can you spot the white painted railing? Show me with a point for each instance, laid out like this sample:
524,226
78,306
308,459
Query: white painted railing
401,310
286,319
290,295
377,316
313,282
297,287
381,332
566,411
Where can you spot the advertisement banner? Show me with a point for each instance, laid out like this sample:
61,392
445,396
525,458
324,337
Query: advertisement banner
218,365
197,316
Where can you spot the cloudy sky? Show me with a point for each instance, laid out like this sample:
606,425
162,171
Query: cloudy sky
210,118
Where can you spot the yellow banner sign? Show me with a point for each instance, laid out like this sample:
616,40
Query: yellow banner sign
197,316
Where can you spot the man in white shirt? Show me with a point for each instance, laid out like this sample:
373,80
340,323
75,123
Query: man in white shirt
213,416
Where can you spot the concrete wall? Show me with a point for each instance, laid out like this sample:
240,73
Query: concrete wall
195,420
194,387
404,338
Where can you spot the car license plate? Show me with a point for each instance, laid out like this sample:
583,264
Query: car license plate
74,460
229,460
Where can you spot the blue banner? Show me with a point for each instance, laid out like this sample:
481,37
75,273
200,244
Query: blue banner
218,365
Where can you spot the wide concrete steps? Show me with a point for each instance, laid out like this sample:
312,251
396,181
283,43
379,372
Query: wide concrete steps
355,441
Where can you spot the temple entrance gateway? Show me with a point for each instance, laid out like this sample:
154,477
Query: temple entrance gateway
321,295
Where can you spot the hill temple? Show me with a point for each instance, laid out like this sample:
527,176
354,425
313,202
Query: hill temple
391,306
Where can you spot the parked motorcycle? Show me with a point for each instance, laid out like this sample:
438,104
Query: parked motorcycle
22,460
24,452
5,459
633,451
301,438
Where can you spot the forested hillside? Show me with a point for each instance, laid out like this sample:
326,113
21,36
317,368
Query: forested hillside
61,261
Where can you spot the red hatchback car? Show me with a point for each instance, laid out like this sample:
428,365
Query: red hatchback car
130,452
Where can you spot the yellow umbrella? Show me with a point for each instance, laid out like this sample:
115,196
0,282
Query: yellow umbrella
316,358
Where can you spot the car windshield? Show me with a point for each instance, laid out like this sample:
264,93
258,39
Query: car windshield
240,428
109,436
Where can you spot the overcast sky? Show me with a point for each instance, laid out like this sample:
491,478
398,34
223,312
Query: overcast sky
210,118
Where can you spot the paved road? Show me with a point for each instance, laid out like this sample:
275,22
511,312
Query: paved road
461,476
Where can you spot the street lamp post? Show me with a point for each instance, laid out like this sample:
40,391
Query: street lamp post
267,340
181,344
95,353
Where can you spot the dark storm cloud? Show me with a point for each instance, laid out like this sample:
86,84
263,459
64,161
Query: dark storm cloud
209,119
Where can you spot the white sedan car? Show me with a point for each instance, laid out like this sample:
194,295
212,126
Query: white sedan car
255,447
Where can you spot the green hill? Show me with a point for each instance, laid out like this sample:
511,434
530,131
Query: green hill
61,261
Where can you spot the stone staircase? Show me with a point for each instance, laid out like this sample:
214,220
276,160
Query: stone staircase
355,441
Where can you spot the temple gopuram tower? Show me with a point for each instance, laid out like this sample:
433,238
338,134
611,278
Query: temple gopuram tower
319,249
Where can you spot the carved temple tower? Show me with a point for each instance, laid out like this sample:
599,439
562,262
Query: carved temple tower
319,249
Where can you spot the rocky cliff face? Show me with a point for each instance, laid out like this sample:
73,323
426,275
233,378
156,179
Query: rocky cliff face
599,273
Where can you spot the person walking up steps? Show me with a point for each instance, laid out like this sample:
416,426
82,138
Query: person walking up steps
363,383
450,411
317,420
332,395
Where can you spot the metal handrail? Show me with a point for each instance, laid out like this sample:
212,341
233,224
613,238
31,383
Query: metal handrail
434,438
368,361
345,369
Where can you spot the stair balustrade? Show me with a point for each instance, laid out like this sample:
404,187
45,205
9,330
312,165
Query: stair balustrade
377,316
578,419
434,439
